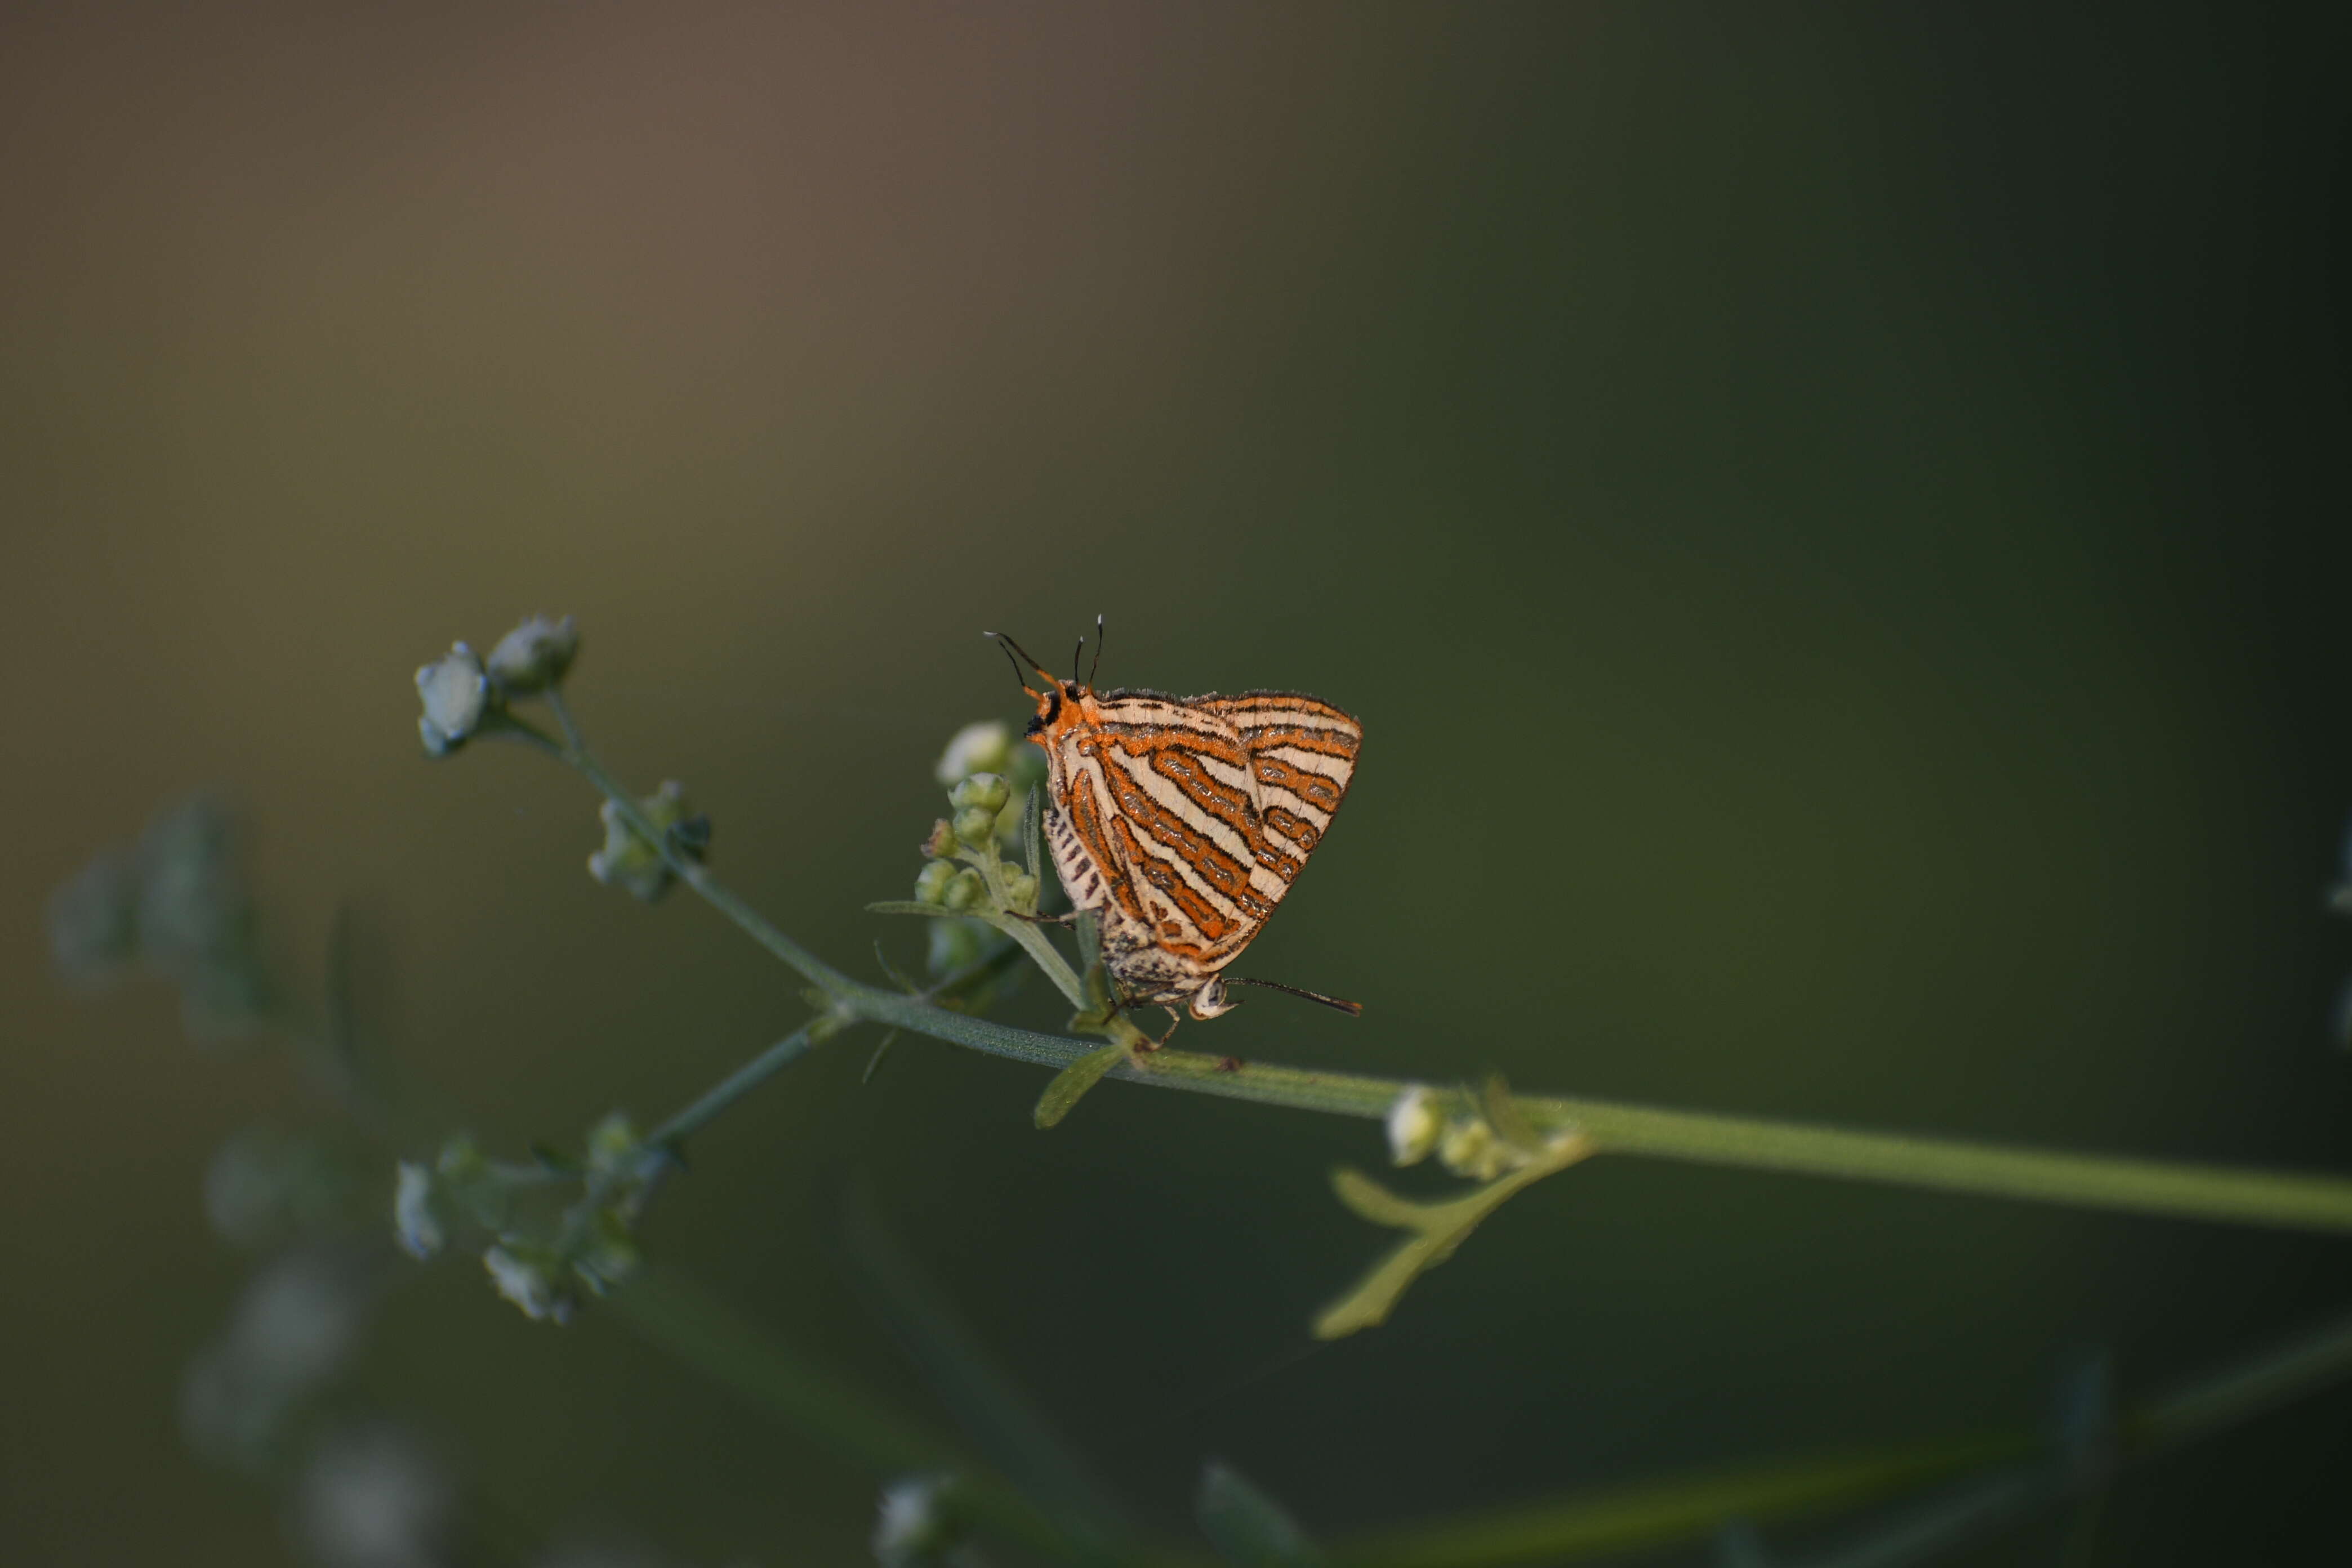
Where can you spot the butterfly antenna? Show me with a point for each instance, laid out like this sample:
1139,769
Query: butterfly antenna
1076,651
1024,652
1353,1009
1005,643
1098,666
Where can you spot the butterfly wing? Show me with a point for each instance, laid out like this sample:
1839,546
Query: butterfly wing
1182,821
1172,786
1302,756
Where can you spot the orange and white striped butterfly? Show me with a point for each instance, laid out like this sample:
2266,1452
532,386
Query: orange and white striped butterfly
1182,822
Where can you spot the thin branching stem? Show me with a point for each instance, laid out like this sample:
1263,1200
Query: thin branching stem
732,1088
2280,1199
690,871
2015,1474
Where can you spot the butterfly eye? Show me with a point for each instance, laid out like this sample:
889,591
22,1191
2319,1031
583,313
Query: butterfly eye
1070,690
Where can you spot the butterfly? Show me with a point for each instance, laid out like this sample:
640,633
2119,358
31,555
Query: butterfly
1181,822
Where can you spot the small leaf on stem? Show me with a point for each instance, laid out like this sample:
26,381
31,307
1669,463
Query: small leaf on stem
1073,1082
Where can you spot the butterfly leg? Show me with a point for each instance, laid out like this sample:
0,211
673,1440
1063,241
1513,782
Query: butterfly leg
1174,1018
1064,920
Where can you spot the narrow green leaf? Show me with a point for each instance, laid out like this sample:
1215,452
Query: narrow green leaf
890,971
1439,1229
1072,1082
1376,1294
1249,1529
1369,1200
874,1063
1033,833
1089,942
909,907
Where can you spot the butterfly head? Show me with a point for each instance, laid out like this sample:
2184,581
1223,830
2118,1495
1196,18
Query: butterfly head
1059,702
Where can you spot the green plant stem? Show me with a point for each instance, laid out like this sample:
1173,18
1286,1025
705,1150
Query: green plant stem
732,1088
2023,1476
2281,1199
2284,1199
2232,1393
1652,1514
1041,950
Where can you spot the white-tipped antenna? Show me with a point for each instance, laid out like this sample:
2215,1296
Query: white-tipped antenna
1353,1009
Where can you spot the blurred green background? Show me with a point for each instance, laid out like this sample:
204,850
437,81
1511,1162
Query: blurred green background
1834,522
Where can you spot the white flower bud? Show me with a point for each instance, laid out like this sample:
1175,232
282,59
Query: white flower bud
1412,1125
526,1286
456,693
534,655
630,860
412,1219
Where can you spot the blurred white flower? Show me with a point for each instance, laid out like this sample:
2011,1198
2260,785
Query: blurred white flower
632,861
412,1219
534,655
1412,1124
300,1318
375,1499
910,1531
295,1327
456,693
527,1285
983,748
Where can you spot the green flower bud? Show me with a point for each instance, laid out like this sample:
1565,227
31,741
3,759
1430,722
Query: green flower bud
964,889
534,656
976,826
931,885
456,693
612,1143
460,1160
1469,1148
610,1255
1021,891
985,747
941,843
985,790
